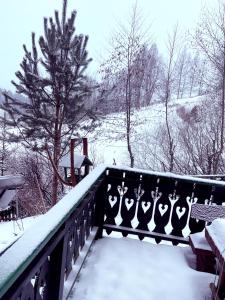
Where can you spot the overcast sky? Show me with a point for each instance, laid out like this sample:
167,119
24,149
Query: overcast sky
97,18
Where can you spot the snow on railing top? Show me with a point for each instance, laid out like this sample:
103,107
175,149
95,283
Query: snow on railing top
17,258
169,175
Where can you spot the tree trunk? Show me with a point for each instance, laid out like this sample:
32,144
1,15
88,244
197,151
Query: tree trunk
55,184
128,116
56,154
130,150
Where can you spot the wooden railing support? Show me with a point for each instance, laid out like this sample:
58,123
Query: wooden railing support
57,270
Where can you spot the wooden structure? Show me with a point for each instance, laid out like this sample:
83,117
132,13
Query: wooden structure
75,166
218,249
146,204
205,256
80,166
205,259
8,186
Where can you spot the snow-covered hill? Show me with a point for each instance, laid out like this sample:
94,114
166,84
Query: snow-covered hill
108,143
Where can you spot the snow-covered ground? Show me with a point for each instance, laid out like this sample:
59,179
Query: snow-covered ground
10,231
127,269
108,142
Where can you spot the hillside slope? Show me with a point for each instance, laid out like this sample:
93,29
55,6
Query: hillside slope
108,143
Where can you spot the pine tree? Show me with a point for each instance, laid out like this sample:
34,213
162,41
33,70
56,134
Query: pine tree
53,81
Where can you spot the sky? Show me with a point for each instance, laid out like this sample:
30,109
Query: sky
96,18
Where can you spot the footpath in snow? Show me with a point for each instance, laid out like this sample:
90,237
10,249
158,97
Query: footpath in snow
127,269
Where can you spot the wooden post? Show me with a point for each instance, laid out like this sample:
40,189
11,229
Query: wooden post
57,270
72,169
85,152
100,198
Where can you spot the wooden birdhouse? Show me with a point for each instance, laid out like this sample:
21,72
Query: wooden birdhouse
76,166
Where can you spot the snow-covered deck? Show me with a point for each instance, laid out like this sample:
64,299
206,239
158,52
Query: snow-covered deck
46,261
128,269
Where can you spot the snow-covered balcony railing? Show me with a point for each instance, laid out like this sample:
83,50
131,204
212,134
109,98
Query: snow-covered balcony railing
45,261
157,205
39,264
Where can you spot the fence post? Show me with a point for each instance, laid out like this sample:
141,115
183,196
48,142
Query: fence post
100,207
57,269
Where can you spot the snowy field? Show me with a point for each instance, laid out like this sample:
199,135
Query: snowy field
127,269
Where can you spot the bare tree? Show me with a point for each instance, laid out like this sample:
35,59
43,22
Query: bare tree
193,72
199,139
168,85
210,40
138,74
35,196
153,72
181,70
95,155
122,68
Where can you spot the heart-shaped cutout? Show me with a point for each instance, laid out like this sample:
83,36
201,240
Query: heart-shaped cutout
163,209
112,200
129,203
145,206
180,211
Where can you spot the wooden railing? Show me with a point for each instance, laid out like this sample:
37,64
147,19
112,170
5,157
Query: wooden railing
151,204
45,261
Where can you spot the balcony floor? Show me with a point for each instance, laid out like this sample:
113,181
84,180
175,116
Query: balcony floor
128,269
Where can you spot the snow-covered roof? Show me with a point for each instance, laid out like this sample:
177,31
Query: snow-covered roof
79,161
8,184
11,181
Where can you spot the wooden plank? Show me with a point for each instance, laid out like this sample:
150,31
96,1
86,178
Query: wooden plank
205,259
220,288
166,237
218,253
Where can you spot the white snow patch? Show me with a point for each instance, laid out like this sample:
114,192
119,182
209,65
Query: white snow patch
10,231
199,241
217,232
126,269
